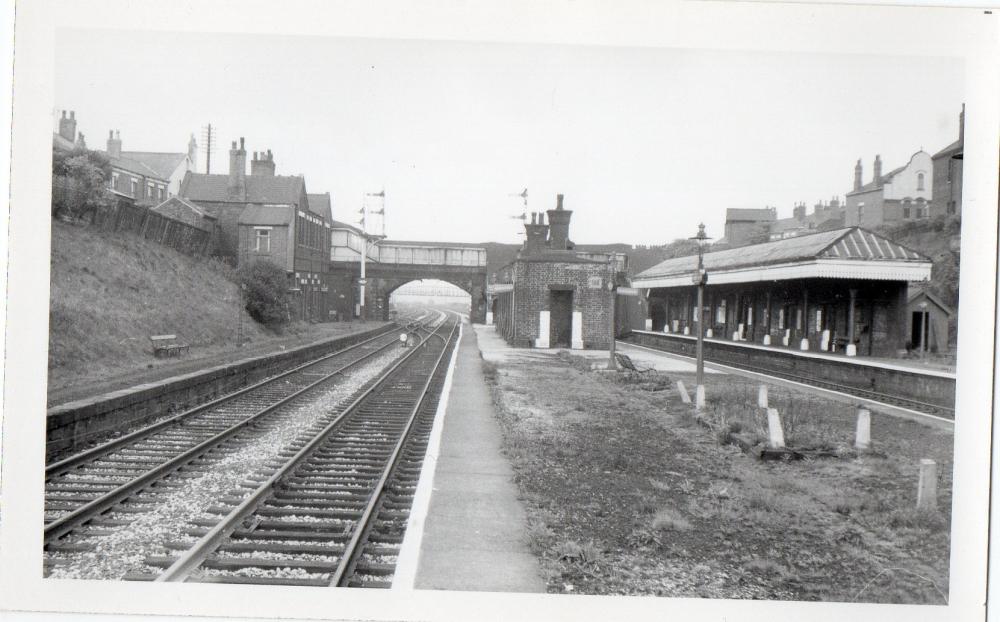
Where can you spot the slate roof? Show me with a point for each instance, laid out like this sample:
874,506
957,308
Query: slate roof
735,214
852,243
343,225
266,215
285,189
137,167
163,164
916,290
320,204
875,184
177,208
61,143
954,148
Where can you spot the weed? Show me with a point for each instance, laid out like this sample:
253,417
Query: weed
767,568
670,520
572,551
490,371
914,518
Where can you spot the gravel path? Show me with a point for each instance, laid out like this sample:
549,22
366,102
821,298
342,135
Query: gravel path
126,549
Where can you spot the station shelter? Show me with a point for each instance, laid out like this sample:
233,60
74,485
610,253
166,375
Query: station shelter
836,291
552,295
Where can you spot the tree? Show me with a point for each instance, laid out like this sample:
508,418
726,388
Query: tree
79,183
265,289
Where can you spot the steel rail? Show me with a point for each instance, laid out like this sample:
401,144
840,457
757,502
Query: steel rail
66,523
194,556
348,559
67,464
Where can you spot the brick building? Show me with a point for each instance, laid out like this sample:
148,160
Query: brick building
947,193
264,216
824,291
747,226
901,195
552,295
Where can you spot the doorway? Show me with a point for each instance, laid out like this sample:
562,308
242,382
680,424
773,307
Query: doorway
918,338
561,318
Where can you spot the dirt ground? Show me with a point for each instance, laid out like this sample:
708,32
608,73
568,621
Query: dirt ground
627,493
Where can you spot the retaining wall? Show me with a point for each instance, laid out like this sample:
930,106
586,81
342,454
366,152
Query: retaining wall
71,426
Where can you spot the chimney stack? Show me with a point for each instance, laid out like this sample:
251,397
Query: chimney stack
263,165
857,175
237,188
559,225
878,169
534,234
799,212
114,144
67,127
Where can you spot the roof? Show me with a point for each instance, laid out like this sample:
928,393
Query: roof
875,184
320,204
751,214
917,290
266,215
286,189
177,208
343,225
135,166
62,143
954,148
163,164
839,253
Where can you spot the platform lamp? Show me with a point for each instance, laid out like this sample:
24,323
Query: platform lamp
700,278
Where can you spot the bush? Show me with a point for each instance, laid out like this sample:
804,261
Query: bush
79,184
265,287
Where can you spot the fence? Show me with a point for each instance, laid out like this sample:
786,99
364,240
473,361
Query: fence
155,227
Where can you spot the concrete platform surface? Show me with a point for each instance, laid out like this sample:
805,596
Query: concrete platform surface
474,535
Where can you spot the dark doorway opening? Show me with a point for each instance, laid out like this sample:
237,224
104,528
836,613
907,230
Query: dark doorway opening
917,340
658,315
561,318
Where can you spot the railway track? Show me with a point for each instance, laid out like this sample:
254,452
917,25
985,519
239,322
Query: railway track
333,510
83,487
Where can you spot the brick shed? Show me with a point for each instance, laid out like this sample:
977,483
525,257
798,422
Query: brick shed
552,295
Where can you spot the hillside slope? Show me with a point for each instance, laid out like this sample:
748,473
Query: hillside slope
111,291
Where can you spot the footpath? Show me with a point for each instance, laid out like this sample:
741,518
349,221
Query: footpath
474,531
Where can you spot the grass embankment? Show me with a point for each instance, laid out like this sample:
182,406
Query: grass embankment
627,494
111,291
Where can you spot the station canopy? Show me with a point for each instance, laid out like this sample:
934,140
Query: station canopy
851,253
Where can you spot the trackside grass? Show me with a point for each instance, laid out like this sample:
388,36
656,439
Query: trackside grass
627,494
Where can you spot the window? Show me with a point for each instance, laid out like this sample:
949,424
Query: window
149,190
906,212
720,312
114,181
160,193
263,241
134,188
920,181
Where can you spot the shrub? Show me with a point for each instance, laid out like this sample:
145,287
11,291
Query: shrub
265,286
668,520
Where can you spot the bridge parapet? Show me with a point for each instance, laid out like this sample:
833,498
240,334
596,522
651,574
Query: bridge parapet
413,254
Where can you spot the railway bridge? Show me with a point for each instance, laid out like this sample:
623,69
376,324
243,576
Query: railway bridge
390,264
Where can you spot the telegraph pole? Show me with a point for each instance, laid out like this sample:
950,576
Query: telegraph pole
208,149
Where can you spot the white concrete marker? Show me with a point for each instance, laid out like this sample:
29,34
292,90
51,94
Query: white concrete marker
684,392
543,330
767,340
863,431
489,318
708,333
687,330
576,339
736,335
649,323
762,396
927,485
824,341
699,397
775,436
787,338
804,344
852,350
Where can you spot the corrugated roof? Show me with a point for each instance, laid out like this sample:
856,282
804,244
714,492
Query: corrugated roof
320,204
260,188
161,163
266,215
752,214
853,244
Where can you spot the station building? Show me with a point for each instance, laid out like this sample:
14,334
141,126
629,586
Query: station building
823,291
552,295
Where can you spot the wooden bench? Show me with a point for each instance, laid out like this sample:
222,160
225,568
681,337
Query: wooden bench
625,362
166,345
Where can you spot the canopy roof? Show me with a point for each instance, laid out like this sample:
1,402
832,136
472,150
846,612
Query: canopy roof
842,253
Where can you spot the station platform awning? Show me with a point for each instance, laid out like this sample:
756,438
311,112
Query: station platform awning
852,253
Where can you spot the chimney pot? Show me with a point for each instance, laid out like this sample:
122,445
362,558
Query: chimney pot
64,114
111,133
241,143
72,114
559,201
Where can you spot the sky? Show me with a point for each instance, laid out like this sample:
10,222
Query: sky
644,143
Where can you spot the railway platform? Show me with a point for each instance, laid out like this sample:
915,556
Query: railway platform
472,528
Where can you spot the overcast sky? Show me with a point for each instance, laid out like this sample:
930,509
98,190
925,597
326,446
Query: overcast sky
644,143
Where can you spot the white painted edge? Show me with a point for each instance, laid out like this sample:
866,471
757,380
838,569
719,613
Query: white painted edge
405,575
889,409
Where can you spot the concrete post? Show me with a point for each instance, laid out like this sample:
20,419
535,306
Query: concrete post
762,396
684,392
649,324
804,344
543,330
775,436
576,331
824,340
708,333
927,485
863,430
699,397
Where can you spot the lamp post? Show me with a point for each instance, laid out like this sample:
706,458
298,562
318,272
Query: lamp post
612,363
699,278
